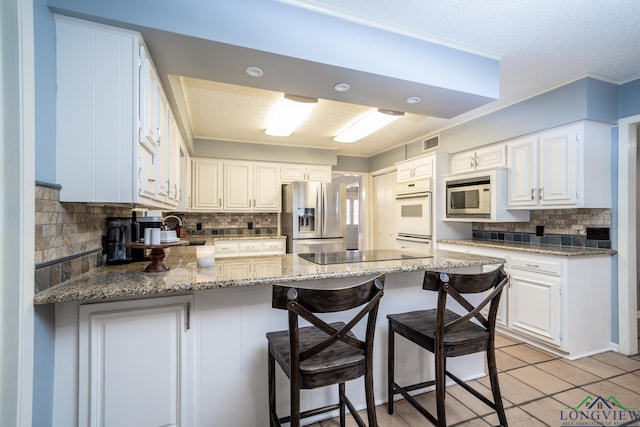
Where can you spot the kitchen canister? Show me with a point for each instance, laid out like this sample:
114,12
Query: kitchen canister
205,255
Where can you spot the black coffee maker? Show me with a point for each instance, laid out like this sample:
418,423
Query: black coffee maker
118,233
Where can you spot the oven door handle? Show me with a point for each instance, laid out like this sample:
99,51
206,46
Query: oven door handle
413,195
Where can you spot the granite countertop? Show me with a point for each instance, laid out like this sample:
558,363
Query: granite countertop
130,280
568,251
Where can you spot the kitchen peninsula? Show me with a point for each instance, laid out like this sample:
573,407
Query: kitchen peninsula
192,340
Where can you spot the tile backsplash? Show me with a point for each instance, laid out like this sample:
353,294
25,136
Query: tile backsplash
68,236
563,227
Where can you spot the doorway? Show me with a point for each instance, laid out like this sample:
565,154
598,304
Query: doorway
353,181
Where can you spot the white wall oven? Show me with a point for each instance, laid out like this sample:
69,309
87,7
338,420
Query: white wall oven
413,200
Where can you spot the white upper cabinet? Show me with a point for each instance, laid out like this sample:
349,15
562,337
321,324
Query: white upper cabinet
490,157
251,186
417,168
206,186
295,172
565,167
111,114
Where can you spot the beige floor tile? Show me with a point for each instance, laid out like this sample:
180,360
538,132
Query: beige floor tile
628,381
471,402
618,360
567,372
384,419
456,410
547,410
506,362
597,367
571,398
540,380
528,354
513,389
515,417
607,389
504,341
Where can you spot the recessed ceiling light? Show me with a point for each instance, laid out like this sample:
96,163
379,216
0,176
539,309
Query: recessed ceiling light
413,100
254,71
341,87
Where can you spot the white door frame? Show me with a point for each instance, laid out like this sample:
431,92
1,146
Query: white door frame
17,187
627,224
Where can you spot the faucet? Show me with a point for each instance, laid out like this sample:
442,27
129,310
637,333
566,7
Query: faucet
175,217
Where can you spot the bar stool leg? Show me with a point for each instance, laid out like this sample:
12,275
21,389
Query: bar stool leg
295,403
343,412
272,392
368,390
441,377
495,385
390,369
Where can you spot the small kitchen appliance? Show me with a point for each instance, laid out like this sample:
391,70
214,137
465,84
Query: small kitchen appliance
118,233
143,223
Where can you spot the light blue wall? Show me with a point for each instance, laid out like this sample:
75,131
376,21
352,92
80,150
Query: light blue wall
352,164
45,91
263,152
585,99
629,99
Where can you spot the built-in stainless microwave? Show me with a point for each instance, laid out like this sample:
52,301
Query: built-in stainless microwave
470,197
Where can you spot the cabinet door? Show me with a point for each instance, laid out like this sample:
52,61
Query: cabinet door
384,211
423,168
238,186
134,363
292,173
522,180
535,305
164,149
207,184
491,157
463,162
146,172
558,167
266,188
319,173
404,172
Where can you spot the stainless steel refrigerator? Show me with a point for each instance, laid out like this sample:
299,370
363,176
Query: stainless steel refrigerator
314,216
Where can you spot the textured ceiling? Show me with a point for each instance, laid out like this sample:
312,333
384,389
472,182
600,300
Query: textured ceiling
541,45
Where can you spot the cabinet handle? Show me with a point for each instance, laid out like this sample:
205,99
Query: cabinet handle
540,193
533,192
471,162
533,265
219,202
151,180
477,161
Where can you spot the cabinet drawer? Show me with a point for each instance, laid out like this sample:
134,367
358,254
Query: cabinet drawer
226,248
538,266
273,246
250,247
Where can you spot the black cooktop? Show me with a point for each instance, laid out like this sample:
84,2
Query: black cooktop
325,258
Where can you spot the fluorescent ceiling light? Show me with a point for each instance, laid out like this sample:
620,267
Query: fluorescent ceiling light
369,123
288,113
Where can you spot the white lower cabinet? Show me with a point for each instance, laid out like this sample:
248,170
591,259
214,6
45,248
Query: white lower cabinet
535,298
249,247
135,363
560,303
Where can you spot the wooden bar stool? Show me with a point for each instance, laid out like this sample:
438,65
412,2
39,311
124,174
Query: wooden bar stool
448,334
324,353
